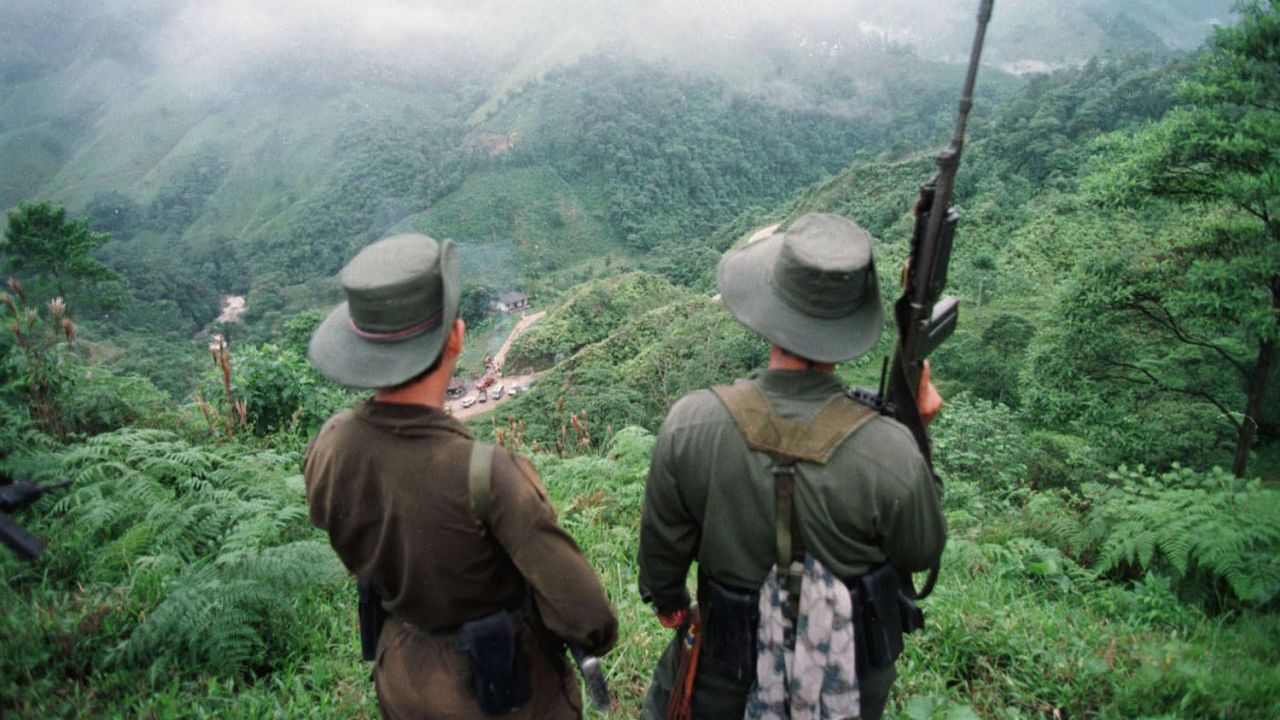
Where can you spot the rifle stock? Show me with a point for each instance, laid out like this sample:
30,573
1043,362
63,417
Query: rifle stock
23,544
924,319
14,495
593,676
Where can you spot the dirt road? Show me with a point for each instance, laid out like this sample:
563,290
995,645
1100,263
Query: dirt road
525,322
508,382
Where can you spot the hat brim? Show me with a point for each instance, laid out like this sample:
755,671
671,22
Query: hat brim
344,357
744,278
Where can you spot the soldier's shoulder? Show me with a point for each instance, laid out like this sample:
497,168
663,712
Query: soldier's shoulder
886,447
696,408
885,431
513,471
340,419
332,430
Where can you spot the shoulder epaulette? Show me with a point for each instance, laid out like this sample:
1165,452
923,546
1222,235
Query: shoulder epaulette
814,441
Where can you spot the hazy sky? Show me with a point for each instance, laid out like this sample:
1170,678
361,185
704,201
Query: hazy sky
230,33
226,36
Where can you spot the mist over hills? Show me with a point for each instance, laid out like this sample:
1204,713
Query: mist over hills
231,147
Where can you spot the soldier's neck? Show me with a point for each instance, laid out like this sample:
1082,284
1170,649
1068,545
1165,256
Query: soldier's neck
428,391
782,359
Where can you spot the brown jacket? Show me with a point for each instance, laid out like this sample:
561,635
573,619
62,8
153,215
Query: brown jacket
389,484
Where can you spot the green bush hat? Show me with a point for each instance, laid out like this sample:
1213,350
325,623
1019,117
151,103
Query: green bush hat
811,289
402,298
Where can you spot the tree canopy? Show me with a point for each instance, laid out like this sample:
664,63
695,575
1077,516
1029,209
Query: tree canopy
53,254
1217,294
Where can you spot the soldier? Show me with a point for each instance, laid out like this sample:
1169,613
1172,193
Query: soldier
457,538
782,481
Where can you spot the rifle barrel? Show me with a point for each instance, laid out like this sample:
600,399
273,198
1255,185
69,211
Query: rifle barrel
949,159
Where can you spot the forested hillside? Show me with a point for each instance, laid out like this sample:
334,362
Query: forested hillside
1110,444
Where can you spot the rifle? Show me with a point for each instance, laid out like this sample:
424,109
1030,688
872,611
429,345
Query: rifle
592,676
925,321
13,496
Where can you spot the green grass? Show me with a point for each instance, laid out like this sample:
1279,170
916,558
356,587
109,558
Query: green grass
1015,630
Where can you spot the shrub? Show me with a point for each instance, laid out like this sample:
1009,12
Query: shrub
1214,533
980,441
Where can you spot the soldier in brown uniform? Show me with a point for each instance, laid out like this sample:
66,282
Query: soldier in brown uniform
464,579
863,499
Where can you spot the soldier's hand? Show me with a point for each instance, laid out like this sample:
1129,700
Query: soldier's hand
928,401
673,619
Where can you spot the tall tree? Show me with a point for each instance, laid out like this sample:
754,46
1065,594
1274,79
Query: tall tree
46,250
1220,148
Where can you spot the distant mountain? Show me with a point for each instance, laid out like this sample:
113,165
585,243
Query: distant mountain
1035,34
231,148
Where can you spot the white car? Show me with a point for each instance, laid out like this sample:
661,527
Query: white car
468,401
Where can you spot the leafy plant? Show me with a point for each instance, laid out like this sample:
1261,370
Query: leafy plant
1214,533
39,355
53,254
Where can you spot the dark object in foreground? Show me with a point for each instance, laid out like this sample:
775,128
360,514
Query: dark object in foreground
12,497
593,675
372,617
23,544
489,638
924,318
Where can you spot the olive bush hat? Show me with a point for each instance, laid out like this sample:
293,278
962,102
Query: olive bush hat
811,289
402,298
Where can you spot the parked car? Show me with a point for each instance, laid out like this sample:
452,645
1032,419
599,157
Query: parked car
468,401
496,392
513,391
482,396
525,387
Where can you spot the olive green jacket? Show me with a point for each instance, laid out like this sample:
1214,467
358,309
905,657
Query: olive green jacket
389,484
709,497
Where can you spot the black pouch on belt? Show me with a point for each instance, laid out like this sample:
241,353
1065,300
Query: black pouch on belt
500,673
731,618
881,615
372,618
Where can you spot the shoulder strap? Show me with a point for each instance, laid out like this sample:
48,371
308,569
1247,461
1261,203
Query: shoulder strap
479,481
787,442
814,441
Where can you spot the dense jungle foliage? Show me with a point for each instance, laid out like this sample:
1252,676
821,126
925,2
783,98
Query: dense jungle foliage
1110,444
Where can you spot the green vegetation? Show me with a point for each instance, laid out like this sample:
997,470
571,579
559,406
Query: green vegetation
52,255
1117,261
164,544
587,314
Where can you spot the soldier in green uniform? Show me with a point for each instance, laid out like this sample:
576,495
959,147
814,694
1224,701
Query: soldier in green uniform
866,499
479,586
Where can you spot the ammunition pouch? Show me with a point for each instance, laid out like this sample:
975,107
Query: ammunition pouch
882,613
499,671
372,617
730,621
